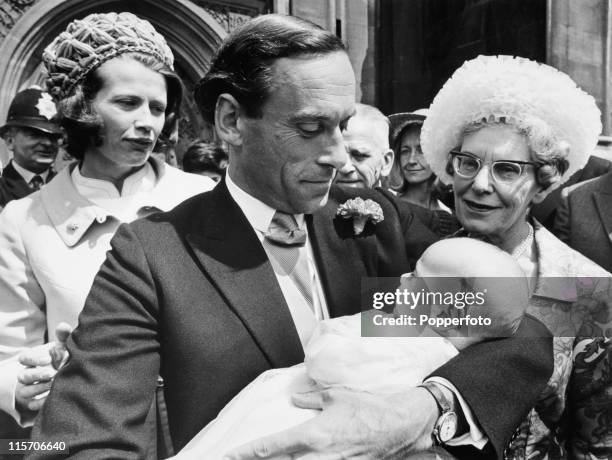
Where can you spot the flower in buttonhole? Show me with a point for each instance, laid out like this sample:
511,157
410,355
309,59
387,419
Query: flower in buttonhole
361,212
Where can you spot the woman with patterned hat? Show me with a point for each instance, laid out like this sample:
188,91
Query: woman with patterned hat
112,76
504,132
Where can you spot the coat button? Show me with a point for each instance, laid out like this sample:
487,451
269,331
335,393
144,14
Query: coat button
73,227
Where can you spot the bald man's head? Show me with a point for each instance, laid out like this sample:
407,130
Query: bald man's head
367,142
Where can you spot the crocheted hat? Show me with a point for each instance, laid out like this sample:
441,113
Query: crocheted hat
519,92
90,42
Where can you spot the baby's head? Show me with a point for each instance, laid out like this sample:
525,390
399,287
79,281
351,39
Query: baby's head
498,287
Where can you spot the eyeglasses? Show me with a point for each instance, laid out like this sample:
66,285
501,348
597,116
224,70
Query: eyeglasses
504,171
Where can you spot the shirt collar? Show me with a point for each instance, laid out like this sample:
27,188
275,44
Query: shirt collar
98,190
28,175
72,214
257,212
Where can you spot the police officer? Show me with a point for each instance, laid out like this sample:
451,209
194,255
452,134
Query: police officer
31,133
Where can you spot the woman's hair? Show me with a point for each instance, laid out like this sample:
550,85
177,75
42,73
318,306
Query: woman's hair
83,126
203,156
397,181
550,154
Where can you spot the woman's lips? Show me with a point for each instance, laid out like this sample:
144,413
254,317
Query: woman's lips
479,207
414,170
141,143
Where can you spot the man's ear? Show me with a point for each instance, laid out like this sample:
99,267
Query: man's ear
388,157
227,119
9,139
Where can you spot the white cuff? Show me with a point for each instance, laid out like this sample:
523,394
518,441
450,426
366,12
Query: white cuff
475,435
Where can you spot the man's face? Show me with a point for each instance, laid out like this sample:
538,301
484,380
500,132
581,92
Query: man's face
32,149
288,157
369,155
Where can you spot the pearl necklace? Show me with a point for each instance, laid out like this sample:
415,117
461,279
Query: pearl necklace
525,244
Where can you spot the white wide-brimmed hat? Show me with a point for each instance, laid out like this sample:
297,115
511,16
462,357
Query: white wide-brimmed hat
519,92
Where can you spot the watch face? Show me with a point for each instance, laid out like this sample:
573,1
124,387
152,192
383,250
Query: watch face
447,426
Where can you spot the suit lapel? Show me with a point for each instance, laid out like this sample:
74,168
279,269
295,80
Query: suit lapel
51,175
337,262
15,185
232,257
603,203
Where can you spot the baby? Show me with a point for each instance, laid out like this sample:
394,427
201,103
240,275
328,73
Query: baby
338,355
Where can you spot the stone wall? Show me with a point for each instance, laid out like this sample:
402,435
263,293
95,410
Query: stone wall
579,44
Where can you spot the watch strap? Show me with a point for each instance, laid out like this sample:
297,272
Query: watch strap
443,403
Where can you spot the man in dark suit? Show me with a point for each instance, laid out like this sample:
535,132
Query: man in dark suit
546,211
204,296
370,160
584,219
31,133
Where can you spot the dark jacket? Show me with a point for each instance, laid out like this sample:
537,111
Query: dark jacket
546,211
584,219
191,295
13,186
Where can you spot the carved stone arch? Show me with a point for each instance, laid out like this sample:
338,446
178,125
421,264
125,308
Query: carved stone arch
191,32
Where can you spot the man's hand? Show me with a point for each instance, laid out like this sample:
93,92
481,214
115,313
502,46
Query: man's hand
352,425
42,363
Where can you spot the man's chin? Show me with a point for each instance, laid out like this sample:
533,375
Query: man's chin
311,206
352,184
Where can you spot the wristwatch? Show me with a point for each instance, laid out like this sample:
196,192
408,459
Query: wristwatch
445,427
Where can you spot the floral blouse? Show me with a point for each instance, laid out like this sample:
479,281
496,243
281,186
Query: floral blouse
573,417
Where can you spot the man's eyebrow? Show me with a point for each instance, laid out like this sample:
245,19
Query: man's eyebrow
359,149
304,116
310,116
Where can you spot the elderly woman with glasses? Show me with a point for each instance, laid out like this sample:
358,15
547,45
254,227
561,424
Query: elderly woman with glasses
505,132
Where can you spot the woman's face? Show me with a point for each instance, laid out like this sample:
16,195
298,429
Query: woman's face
483,205
414,167
131,104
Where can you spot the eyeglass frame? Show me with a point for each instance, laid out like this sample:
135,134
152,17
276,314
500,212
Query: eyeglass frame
454,153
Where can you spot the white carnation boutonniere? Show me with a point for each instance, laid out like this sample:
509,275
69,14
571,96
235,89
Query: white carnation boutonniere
361,212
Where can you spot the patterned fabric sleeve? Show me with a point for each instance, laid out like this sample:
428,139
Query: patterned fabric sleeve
590,399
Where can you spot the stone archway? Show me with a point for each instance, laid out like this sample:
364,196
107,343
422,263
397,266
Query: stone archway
192,34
